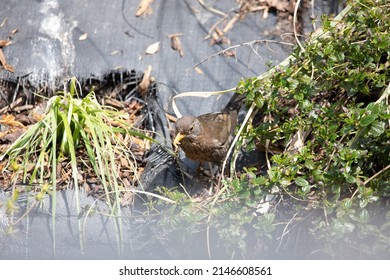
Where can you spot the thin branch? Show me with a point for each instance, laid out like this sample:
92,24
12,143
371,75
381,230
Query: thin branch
33,205
251,43
312,14
285,230
295,24
255,51
211,30
370,179
376,175
211,9
248,115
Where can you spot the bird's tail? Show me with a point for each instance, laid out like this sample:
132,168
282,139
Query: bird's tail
235,103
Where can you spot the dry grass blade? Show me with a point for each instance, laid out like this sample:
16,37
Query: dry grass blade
153,48
4,43
4,62
201,94
176,45
211,9
83,37
231,48
231,23
145,82
144,8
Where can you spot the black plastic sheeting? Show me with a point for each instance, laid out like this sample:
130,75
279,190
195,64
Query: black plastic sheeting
47,46
47,50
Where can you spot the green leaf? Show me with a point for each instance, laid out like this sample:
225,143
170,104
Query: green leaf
259,101
261,180
284,182
349,178
368,119
306,79
268,219
364,216
377,129
374,108
385,226
363,203
309,164
349,227
301,182
347,203
379,248
340,214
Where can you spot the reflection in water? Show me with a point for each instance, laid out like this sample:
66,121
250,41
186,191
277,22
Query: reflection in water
136,236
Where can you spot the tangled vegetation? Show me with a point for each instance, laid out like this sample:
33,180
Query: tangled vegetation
323,123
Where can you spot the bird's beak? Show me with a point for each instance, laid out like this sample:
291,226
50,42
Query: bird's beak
178,138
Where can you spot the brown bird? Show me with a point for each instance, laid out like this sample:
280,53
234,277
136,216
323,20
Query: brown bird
207,138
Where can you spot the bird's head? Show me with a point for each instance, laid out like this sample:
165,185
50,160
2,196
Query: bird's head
187,127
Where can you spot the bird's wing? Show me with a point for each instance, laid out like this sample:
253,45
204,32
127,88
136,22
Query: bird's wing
219,126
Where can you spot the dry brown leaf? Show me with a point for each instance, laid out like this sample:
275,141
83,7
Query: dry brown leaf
282,5
229,53
215,36
171,117
141,143
153,48
219,32
124,162
26,107
83,37
176,45
231,23
9,120
265,13
297,142
218,37
4,62
113,103
3,22
145,83
259,8
144,7
115,53
175,35
11,135
198,70
4,43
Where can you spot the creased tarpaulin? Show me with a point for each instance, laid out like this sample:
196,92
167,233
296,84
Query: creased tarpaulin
56,40
50,45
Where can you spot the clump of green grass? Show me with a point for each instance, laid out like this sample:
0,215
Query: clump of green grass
69,125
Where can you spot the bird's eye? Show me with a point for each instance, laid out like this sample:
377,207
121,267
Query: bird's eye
191,129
